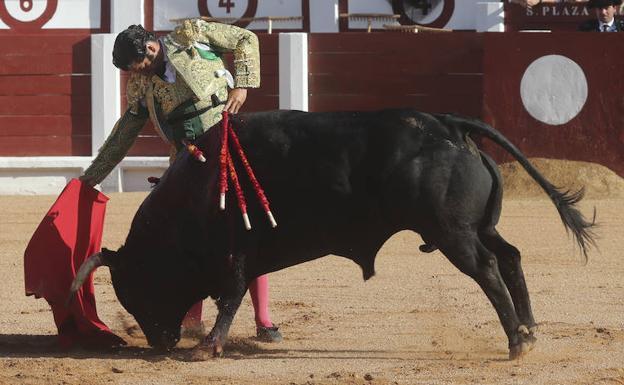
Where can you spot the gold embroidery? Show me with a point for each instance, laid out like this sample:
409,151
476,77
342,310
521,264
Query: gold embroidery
222,38
170,95
135,91
184,34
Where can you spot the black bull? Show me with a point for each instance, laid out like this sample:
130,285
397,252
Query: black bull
339,183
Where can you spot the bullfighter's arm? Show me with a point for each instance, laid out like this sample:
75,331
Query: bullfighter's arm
116,145
241,42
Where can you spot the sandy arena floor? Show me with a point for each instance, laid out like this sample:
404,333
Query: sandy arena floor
418,321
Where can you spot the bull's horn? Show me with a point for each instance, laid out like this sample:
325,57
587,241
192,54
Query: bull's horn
92,263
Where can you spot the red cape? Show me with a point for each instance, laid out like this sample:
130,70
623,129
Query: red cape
70,232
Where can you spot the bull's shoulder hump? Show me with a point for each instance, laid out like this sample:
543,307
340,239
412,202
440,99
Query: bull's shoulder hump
340,122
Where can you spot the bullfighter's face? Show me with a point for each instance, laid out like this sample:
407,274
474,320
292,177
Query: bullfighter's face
152,63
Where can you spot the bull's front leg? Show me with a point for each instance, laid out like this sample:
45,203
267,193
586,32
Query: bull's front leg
227,305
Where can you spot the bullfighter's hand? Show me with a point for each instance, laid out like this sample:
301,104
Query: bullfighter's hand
87,179
235,101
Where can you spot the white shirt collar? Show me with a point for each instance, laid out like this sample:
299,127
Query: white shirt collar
610,24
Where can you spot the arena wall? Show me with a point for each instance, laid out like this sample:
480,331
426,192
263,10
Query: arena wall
430,72
45,76
555,95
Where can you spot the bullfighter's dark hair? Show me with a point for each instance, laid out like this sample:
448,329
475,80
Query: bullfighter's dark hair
130,46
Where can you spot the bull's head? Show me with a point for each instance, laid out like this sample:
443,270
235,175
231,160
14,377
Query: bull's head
157,298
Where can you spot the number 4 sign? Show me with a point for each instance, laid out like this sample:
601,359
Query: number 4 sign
235,9
227,4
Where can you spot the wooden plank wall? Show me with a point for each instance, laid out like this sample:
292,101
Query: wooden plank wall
264,98
45,101
368,71
45,94
596,134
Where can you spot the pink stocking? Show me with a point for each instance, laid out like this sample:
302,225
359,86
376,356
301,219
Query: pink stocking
259,291
193,317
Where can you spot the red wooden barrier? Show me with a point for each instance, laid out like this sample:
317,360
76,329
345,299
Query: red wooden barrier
45,109
596,134
45,81
366,71
45,94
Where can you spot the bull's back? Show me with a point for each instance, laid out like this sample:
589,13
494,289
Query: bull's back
348,164
330,146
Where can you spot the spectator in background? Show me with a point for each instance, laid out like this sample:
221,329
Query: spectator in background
605,20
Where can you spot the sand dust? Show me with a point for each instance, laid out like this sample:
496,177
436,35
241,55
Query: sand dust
418,321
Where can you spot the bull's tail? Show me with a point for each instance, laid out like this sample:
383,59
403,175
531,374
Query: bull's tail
565,200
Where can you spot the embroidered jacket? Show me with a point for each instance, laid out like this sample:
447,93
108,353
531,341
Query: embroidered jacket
194,50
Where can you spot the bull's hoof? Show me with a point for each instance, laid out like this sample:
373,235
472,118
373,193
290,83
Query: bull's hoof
200,355
516,352
527,344
217,351
204,351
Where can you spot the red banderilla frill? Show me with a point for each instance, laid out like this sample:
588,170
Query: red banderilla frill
226,163
240,197
194,151
223,159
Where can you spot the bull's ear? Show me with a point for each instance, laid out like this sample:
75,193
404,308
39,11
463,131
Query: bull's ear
110,258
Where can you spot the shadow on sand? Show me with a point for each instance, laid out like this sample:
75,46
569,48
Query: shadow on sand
36,346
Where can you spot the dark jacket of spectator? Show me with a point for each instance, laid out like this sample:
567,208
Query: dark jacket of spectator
594,26
605,17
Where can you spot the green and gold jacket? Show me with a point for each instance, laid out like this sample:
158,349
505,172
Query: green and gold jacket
194,50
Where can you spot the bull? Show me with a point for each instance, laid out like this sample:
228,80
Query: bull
339,183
